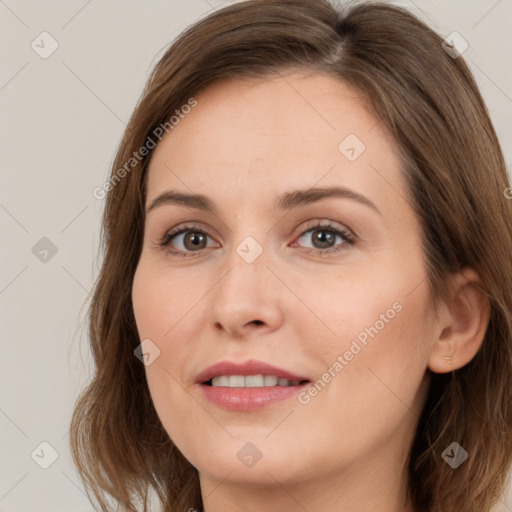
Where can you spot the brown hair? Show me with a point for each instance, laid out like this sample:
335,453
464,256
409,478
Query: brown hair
456,178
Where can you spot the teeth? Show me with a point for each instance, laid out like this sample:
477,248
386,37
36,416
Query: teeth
222,381
236,381
270,380
251,381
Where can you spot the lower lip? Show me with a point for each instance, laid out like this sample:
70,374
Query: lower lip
249,399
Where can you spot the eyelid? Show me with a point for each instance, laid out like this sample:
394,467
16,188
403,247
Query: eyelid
326,224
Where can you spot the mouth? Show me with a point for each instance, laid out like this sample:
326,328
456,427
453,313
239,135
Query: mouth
249,374
248,386
252,381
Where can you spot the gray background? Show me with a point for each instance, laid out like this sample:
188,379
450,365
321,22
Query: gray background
62,119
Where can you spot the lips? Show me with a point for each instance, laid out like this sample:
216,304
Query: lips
251,367
253,393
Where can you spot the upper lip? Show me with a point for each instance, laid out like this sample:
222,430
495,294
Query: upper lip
252,367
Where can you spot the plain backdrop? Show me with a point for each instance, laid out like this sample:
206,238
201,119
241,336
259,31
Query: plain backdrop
62,118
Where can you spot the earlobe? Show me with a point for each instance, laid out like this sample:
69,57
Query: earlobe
462,324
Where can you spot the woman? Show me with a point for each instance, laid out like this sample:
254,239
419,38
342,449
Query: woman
305,298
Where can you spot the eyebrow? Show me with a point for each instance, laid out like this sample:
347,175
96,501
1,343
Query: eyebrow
287,201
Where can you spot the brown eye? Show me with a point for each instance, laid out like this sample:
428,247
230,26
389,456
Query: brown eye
186,239
193,241
323,237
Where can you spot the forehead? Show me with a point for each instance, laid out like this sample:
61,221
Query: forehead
274,133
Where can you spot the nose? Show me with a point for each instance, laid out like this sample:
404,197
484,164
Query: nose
247,298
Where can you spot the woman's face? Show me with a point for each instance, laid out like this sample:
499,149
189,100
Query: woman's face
282,270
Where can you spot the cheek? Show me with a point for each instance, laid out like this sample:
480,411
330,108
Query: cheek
147,298
168,312
336,310
373,369
160,300
374,331
158,306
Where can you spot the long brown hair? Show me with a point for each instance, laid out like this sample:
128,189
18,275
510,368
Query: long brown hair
456,177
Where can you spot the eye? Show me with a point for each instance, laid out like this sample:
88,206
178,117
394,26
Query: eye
323,236
191,238
194,239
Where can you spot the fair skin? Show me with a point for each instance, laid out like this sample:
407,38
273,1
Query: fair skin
244,144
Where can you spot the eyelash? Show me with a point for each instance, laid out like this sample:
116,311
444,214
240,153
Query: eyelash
325,226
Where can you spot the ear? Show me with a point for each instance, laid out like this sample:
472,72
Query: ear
461,324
